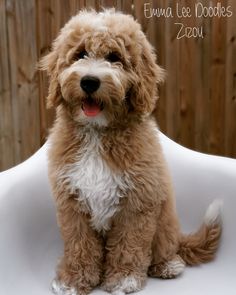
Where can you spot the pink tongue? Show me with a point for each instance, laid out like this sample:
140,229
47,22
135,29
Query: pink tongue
91,109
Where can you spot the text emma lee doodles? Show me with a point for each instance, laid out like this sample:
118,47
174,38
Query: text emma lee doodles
183,12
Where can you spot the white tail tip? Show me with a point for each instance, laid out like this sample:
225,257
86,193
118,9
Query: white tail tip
213,213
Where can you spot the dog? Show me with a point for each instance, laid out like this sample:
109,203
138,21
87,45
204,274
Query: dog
112,189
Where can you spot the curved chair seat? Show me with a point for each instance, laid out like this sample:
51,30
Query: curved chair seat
30,244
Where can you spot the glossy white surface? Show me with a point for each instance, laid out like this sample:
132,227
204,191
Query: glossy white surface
30,243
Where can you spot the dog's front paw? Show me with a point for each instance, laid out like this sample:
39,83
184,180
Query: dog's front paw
123,285
60,288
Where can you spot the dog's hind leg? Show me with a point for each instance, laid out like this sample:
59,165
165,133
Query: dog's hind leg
167,270
166,263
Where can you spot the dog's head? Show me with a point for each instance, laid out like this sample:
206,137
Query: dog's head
102,69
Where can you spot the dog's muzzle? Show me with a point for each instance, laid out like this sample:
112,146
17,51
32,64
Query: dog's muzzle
90,84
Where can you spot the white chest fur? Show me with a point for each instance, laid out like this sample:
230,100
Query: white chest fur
99,188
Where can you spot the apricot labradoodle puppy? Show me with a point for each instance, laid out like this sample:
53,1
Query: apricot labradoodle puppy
112,189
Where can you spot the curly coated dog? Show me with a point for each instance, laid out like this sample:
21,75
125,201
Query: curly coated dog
112,188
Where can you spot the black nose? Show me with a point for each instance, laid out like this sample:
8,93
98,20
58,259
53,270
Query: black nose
89,84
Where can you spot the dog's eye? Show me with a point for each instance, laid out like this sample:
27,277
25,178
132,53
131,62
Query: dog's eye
80,55
113,57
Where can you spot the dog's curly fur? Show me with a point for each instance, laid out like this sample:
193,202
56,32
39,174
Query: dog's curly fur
113,192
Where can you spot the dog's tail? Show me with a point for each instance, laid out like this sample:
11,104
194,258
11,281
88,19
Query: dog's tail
201,246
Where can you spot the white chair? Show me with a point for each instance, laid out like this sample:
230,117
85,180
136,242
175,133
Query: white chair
30,243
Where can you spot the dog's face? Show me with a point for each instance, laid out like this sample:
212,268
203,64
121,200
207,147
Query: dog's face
102,69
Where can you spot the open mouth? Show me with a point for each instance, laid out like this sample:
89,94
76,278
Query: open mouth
91,107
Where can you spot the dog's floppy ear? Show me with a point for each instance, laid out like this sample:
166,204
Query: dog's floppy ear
49,63
144,93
